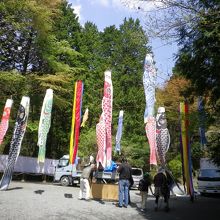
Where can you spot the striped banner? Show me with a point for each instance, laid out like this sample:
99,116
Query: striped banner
44,124
5,119
15,145
185,148
76,120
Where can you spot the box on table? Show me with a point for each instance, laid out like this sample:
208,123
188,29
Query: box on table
104,191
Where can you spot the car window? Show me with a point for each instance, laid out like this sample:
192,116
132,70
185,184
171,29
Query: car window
209,173
63,162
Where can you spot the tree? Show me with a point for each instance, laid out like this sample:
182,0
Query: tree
200,52
198,60
121,50
213,146
127,68
174,92
26,39
165,18
66,25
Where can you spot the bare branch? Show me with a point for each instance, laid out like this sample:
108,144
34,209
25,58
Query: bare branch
164,18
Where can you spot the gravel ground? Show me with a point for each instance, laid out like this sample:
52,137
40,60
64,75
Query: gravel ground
32,201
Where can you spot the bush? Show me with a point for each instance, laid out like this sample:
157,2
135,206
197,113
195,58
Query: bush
175,167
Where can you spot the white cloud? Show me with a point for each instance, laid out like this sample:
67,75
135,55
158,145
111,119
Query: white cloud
77,11
104,3
117,4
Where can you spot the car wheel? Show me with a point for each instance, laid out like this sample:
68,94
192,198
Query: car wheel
65,181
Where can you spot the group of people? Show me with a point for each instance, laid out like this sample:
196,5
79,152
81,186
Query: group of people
161,186
160,181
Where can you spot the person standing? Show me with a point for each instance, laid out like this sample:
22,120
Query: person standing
143,187
131,183
84,192
125,173
161,188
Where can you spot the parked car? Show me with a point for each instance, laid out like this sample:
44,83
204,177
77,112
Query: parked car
209,177
137,174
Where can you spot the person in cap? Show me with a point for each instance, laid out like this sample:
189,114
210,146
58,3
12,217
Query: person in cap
84,192
144,184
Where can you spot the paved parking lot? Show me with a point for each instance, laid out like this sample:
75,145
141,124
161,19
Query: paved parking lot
32,201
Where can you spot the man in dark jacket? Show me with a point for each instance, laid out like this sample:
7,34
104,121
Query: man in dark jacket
125,173
161,188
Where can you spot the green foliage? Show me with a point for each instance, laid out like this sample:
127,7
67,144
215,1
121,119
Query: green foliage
87,144
196,153
51,50
175,165
27,41
198,58
213,146
136,151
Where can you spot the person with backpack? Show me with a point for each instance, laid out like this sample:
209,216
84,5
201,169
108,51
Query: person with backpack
161,188
143,187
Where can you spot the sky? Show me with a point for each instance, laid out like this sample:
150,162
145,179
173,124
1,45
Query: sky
104,13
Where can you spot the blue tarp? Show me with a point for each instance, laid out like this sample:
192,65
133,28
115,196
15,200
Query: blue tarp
111,168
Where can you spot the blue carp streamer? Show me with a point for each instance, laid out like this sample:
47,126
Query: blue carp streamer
119,131
202,120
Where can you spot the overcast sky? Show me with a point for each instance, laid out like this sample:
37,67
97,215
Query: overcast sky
112,12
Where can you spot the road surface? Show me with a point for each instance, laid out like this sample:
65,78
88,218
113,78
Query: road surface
33,201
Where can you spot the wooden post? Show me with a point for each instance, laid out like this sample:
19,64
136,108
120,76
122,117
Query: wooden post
23,178
44,178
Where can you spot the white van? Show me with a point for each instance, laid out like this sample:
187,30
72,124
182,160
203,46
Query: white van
137,174
209,177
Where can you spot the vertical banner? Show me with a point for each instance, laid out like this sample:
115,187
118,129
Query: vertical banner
15,145
101,141
106,118
78,115
73,126
44,124
150,129
202,121
149,82
76,120
85,117
162,136
107,110
186,151
5,119
119,132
